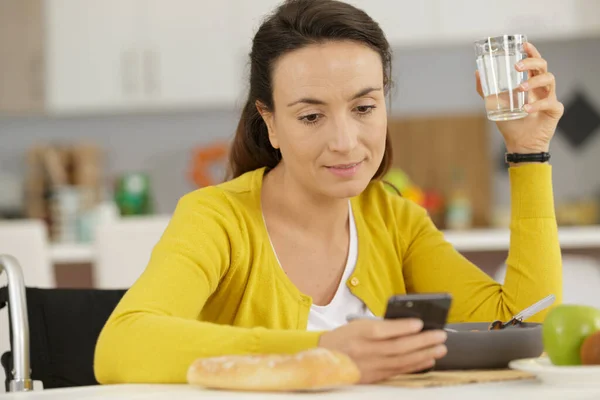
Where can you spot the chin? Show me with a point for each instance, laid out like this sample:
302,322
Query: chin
343,190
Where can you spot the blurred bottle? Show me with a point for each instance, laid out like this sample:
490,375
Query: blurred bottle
65,209
133,194
459,211
104,212
434,204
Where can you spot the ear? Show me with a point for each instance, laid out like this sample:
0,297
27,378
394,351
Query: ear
268,117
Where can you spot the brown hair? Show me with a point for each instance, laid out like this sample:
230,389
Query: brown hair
293,25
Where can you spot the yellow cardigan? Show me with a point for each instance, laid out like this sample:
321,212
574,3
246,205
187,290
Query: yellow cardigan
213,285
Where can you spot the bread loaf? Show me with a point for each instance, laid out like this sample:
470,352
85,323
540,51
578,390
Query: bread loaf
315,369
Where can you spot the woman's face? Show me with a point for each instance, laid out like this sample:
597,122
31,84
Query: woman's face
329,118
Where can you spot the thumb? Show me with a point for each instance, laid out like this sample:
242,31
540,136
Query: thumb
478,84
389,328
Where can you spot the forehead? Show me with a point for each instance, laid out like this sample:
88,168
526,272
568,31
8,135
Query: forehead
327,69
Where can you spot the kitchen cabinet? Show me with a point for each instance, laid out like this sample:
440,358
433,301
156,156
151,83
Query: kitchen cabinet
405,23
89,56
427,23
187,54
21,56
93,55
140,54
248,16
470,20
587,12
431,23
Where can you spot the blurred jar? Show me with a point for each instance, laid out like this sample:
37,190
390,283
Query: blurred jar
133,194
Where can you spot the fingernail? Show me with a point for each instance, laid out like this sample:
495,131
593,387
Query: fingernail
416,324
520,65
441,336
440,350
525,86
527,107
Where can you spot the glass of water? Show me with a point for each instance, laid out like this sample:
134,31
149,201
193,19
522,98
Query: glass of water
496,60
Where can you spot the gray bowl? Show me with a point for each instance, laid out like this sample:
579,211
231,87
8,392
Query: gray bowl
489,349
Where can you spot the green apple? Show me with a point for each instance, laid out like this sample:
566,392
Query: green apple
564,330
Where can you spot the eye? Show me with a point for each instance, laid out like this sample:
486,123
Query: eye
363,110
310,118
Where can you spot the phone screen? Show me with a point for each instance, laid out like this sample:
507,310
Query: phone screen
431,308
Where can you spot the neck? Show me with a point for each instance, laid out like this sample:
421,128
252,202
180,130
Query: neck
283,197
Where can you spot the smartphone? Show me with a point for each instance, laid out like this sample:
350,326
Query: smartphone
431,308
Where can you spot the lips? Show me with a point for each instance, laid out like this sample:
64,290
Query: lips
344,166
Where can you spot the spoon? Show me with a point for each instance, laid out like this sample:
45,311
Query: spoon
523,315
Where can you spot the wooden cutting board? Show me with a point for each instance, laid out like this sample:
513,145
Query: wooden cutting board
431,148
451,378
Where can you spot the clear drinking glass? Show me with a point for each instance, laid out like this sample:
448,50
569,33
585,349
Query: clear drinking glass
496,60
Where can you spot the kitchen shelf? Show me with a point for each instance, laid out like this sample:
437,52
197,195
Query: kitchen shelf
480,240
473,240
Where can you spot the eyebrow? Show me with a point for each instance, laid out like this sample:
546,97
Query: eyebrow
308,100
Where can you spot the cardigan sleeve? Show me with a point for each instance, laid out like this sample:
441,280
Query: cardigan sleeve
534,265
154,333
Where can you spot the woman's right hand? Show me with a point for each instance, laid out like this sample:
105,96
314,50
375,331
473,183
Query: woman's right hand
385,348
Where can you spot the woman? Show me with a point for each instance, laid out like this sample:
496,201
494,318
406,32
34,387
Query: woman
305,233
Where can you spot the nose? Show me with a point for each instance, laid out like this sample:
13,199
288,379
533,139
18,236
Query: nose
344,136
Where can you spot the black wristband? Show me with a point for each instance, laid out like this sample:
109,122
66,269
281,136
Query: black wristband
519,158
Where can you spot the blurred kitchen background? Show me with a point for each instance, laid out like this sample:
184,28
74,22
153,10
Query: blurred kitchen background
113,109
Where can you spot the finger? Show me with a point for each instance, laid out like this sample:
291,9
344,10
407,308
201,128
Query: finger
372,374
535,65
408,344
389,328
410,362
422,367
478,84
545,81
531,50
548,105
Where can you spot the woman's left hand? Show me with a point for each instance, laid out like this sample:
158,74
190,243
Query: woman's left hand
533,133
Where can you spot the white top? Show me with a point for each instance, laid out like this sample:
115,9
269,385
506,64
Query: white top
344,302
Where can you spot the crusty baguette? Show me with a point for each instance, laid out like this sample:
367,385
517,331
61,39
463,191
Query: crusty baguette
314,369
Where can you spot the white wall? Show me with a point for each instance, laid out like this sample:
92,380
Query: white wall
428,81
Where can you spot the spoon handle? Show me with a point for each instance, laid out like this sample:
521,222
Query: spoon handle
535,308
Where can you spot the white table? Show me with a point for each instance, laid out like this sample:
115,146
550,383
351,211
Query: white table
529,390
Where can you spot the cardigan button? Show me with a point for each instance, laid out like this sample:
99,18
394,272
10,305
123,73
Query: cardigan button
354,281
